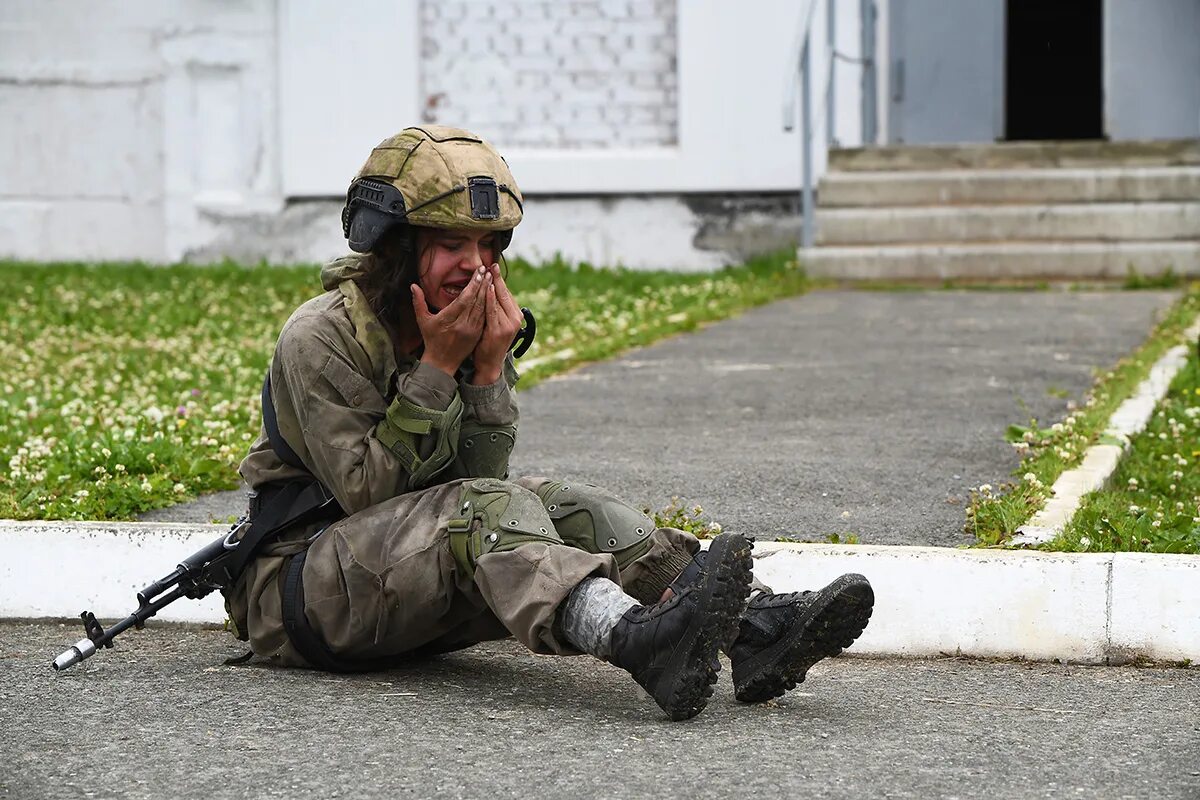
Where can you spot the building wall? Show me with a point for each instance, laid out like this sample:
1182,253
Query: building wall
143,129
553,75
1152,69
123,120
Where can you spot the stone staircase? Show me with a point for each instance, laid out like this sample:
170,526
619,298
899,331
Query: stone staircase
1012,211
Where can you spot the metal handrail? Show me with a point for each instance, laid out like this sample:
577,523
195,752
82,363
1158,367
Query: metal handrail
798,77
801,71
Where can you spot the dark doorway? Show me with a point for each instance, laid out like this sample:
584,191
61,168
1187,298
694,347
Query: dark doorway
1054,87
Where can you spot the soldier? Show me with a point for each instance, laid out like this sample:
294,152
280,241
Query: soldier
390,401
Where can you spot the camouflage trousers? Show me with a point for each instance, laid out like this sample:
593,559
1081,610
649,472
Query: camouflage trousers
385,581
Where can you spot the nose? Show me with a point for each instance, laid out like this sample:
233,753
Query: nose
473,256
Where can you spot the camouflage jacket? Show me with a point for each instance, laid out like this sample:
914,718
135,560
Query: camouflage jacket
368,425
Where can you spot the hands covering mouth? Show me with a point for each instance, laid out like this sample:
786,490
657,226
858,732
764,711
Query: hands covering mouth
480,321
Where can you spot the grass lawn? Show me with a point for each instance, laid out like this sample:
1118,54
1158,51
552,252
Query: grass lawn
995,513
1153,501
128,387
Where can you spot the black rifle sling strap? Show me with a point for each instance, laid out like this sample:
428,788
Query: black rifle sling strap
292,504
308,642
283,506
282,449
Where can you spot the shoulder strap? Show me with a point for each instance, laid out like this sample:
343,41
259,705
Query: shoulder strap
282,449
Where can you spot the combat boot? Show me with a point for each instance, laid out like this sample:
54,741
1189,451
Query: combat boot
782,635
671,648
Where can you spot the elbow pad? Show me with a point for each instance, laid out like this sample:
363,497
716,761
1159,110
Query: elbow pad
403,428
483,450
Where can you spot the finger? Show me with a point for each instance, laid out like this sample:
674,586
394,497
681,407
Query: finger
420,307
479,300
463,304
507,301
493,307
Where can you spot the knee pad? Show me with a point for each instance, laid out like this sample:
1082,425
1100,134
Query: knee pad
596,520
495,516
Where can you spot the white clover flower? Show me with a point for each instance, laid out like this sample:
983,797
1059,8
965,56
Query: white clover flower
1085,541
81,494
1134,510
179,488
985,488
1156,523
1133,482
1029,476
145,486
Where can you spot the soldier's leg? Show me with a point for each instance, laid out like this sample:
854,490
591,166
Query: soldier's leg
428,567
780,635
395,578
597,521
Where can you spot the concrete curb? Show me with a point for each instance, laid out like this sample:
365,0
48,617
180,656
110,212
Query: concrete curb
1086,608
1100,460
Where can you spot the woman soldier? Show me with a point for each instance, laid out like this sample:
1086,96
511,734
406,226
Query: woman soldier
380,475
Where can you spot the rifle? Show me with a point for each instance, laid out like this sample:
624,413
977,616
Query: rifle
197,576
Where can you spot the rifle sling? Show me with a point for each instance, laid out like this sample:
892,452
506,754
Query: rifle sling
285,506
307,642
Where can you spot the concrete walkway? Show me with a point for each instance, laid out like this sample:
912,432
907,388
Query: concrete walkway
836,412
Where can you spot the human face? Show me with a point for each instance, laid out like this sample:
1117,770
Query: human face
449,257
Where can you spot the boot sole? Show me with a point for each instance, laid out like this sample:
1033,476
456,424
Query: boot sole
724,587
833,623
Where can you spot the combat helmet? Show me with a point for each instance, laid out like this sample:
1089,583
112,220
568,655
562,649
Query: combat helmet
431,176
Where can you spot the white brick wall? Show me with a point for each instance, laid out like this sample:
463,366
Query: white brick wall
531,73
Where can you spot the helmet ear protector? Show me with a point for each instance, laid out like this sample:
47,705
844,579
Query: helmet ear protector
373,206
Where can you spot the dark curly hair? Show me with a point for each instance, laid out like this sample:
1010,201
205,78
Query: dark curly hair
389,271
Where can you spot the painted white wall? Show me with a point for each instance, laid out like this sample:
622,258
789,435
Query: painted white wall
732,59
634,232
123,121
150,130
1152,69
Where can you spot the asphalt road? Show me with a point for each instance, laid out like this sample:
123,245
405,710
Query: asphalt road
160,716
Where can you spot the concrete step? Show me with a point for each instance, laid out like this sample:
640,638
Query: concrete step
1009,155
1086,221
941,187
1003,261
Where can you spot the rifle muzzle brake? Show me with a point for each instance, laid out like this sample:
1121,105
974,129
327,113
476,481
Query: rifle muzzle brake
78,652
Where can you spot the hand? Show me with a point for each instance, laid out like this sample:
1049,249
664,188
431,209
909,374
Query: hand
453,333
503,320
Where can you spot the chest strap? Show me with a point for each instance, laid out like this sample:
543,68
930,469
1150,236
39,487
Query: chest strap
282,449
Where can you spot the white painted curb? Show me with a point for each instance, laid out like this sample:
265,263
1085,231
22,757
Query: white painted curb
1100,460
60,569
1088,608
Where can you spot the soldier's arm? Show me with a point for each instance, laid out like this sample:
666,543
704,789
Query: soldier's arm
489,427
363,448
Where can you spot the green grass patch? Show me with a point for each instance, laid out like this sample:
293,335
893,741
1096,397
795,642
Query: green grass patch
129,387
995,513
1153,501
